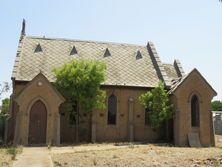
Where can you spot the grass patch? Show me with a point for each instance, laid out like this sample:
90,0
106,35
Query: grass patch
13,151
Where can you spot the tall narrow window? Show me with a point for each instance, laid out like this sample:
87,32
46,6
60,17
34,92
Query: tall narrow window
195,112
112,109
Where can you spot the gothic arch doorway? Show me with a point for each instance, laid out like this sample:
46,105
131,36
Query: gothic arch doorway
37,123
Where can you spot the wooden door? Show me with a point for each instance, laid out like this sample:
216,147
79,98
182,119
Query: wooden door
37,123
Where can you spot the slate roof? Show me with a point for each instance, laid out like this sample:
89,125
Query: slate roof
171,71
176,83
122,66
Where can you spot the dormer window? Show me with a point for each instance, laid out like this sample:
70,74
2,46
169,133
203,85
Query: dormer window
107,53
73,51
38,49
138,55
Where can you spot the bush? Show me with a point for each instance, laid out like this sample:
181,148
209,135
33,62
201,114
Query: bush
157,102
13,151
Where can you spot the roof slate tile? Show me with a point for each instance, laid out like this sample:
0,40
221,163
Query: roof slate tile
122,67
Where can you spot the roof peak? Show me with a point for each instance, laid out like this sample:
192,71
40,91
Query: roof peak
22,30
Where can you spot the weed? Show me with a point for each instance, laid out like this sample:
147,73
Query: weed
13,152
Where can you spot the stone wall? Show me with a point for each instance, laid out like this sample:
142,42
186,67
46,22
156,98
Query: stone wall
98,129
38,89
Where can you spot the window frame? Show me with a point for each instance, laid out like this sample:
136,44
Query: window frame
116,107
195,111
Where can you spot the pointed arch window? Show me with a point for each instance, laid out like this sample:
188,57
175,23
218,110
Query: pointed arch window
112,110
195,112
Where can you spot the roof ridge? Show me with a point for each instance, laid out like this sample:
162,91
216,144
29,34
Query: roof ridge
88,41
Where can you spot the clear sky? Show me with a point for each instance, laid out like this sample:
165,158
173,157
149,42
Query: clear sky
190,30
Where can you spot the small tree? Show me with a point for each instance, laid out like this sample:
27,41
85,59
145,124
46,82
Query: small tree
79,82
5,106
157,101
216,105
3,116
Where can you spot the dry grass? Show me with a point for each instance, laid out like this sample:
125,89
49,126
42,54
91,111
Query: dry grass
5,158
143,156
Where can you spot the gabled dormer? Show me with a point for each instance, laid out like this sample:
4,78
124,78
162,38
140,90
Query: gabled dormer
38,48
73,51
107,53
138,55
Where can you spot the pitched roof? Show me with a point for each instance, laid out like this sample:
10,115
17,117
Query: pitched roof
171,71
42,77
178,82
122,66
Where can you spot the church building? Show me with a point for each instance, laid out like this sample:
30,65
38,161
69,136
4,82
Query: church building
37,115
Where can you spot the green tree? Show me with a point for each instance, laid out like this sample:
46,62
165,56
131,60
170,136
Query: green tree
3,115
157,101
216,105
5,106
79,81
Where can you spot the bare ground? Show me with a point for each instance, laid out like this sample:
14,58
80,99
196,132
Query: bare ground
109,155
5,158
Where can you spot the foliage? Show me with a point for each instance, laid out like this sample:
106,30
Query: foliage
4,88
79,81
13,151
216,105
157,101
5,106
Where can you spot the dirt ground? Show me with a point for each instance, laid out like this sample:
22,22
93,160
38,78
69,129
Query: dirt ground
133,155
5,158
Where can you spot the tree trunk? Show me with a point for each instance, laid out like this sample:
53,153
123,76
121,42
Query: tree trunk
77,123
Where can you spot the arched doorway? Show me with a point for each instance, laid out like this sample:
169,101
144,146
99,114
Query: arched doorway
37,123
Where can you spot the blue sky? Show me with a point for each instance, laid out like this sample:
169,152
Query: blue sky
190,31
